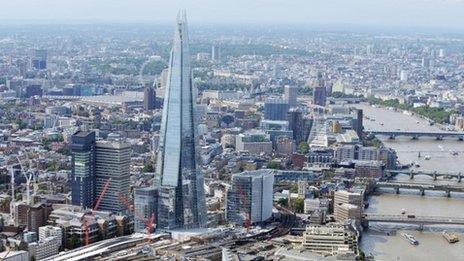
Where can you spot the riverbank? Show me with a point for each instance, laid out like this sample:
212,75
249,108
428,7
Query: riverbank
438,115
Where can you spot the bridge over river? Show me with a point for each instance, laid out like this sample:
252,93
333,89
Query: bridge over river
433,174
422,187
412,219
439,135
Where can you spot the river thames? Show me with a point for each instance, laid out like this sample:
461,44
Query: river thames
442,155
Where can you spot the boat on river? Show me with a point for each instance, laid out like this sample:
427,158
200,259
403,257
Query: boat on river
412,240
450,237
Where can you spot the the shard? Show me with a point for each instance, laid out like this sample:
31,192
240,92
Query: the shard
181,198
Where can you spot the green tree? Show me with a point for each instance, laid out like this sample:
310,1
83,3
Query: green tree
273,164
282,202
299,205
73,242
303,147
148,168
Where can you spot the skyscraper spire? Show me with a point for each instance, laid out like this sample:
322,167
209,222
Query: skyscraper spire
179,179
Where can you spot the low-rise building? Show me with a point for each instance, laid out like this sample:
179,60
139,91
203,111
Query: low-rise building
331,239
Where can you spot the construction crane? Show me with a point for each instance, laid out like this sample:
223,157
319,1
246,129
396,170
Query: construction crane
28,177
97,204
12,180
243,200
12,183
150,224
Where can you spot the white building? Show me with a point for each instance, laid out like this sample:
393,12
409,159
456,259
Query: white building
331,239
45,248
15,255
50,231
253,141
348,205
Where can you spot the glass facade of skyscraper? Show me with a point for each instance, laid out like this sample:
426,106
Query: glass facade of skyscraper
179,179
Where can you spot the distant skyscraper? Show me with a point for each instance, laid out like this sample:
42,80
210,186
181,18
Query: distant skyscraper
83,169
112,161
39,61
320,95
441,53
215,56
250,197
149,99
359,123
297,124
179,179
290,95
425,62
404,76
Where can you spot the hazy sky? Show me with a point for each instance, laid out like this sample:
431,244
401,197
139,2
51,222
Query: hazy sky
427,13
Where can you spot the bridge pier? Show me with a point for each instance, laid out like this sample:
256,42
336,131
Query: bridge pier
459,177
422,191
411,175
421,227
434,175
439,137
397,190
365,224
415,137
448,193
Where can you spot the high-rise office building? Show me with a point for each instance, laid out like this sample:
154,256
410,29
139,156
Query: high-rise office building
275,109
215,56
179,178
83,169
320,95
296,123
250,197
112,161
149,99
93,163
359,123
145,202
290,95
39,61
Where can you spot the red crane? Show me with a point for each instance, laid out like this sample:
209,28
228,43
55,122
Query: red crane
97,204
243,200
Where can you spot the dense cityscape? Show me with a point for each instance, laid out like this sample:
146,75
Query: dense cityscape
176,142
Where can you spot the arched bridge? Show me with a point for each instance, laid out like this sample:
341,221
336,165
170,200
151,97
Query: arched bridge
433,174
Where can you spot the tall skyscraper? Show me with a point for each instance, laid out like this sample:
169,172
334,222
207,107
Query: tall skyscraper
290,95
250,197
93,163
39,61
320,95
83,169
296,124
149,98
179,179
112,161
215,53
